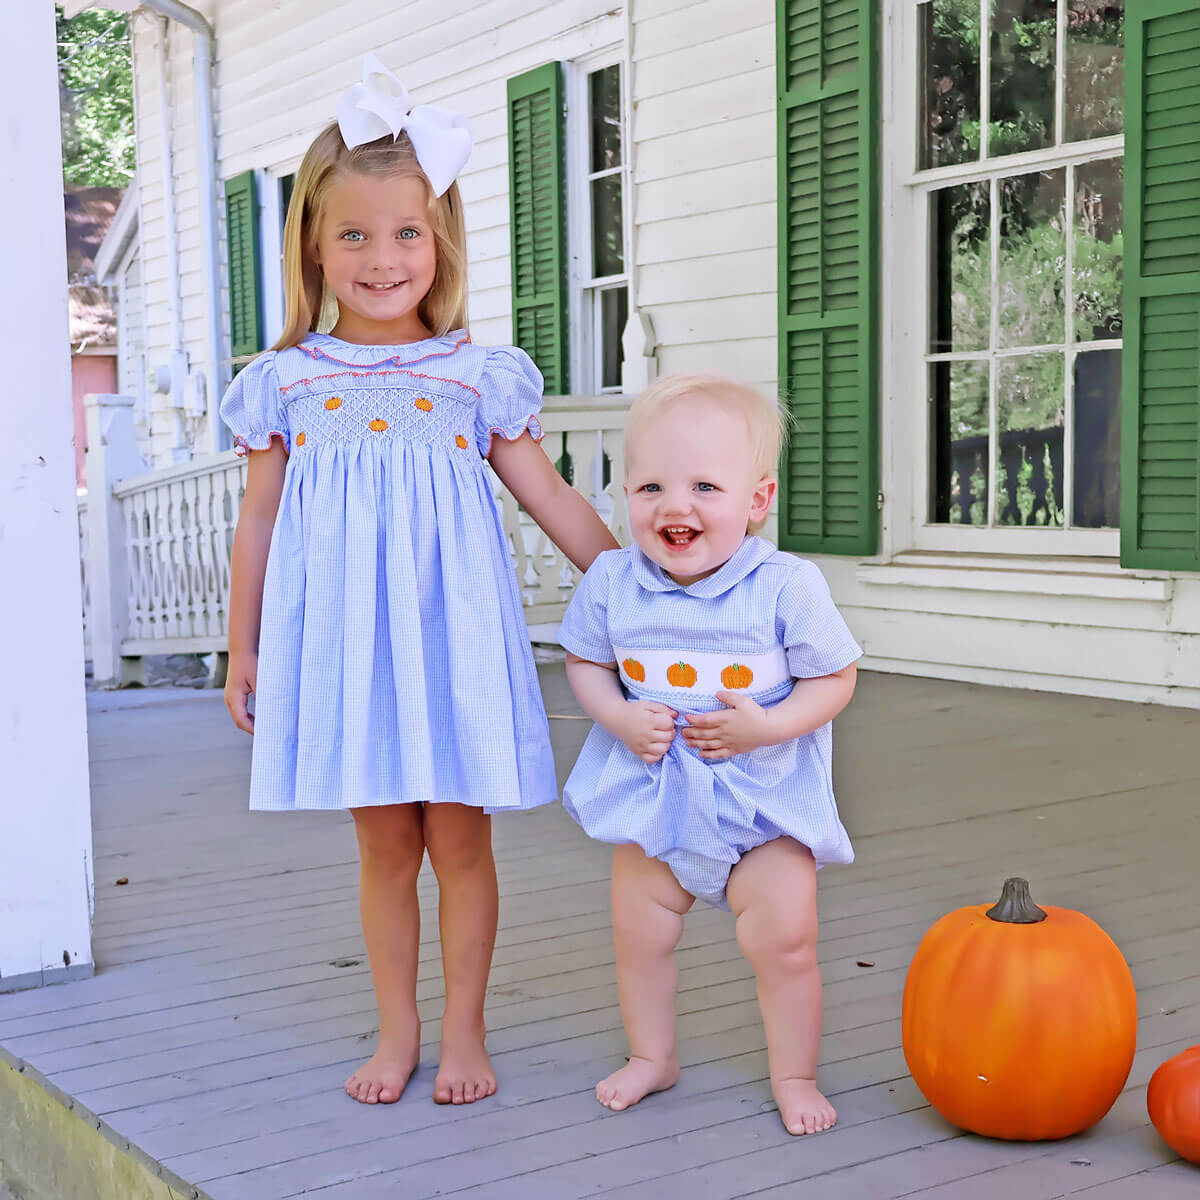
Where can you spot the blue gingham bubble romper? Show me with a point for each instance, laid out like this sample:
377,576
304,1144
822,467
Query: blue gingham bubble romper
394,664
764,622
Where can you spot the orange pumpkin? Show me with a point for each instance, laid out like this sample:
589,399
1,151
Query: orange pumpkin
634,670
1173,1100
423,404
377,425
301,438
1019,1022
460,441
333,402
737,676
681,674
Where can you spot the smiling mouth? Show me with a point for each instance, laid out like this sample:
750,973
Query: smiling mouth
679,536
381,287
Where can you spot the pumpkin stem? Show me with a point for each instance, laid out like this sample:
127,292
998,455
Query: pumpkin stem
1016,906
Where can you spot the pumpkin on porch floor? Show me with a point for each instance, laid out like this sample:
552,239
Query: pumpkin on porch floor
1019,1022
1173,1100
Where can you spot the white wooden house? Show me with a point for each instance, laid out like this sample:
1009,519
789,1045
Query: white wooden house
974,278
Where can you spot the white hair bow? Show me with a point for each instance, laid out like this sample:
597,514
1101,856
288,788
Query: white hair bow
379,105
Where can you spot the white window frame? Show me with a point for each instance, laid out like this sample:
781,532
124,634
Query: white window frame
906,466
583,311
270,240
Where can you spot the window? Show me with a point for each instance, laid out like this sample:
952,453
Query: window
1019,162
597,168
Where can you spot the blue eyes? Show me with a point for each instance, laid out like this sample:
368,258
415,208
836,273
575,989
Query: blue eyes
357,236
701,487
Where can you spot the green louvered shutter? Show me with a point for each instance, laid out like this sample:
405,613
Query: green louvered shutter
828,355
245,273
536,181
1160,431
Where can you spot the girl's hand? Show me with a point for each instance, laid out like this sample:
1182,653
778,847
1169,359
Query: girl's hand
745,725
647,729
240,680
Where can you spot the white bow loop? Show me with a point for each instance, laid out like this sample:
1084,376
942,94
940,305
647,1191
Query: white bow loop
441,139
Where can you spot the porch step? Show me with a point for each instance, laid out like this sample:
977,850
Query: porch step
52,1148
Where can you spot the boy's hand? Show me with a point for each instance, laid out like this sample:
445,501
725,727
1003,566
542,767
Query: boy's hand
744,725
240,680
647,728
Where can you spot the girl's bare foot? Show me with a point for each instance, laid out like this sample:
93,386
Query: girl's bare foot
384,1076
465,1071
802,1108
636,1079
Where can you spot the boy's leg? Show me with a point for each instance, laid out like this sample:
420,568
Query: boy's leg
391,846
648,904
459,839
773,895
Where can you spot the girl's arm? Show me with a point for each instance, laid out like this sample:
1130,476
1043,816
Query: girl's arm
570,522
248,568
746,725
645,727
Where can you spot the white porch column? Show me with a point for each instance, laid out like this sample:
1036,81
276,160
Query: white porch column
45,809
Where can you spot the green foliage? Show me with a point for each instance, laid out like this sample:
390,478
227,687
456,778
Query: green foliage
95,84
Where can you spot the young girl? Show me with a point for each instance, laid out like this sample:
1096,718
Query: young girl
733,801
374,612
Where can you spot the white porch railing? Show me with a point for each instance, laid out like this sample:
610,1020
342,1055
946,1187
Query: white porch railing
155,557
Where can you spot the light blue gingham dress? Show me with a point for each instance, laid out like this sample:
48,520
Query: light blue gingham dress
699,815
394,664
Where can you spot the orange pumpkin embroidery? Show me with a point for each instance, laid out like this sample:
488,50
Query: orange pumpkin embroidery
460,441
634,670
301,438
737,676
423,404
333,402
681,674
378,425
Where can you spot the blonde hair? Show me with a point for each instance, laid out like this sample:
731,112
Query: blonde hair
445,305
766,420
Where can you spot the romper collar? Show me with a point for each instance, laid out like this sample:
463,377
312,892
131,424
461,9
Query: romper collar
351,354
751,554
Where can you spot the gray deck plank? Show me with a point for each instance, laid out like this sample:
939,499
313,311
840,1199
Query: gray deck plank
217,1032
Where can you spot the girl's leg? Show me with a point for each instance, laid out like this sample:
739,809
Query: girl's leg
391,846
648,904
459,839
773,894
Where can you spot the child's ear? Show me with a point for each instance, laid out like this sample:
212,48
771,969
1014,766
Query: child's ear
764,493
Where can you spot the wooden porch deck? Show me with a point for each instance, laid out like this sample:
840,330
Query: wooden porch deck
233,997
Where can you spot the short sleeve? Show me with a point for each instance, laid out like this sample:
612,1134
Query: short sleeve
253,407
817,640
510,397
584,629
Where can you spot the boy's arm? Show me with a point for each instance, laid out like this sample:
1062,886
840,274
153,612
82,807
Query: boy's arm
745,725
646,727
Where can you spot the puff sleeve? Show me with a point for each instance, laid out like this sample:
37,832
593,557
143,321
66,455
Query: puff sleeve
817,640
584,629
510,398
253,407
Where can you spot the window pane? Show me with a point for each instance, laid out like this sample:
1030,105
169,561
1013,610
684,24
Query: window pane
961,250
605,87
1033,250
1099,215
1095,71
1022,92
949,41
614,311
1029,458
1097,440
608,247
960,437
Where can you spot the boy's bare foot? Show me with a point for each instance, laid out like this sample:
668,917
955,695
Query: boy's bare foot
384,1076
802,1108
465,1071
635,1080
